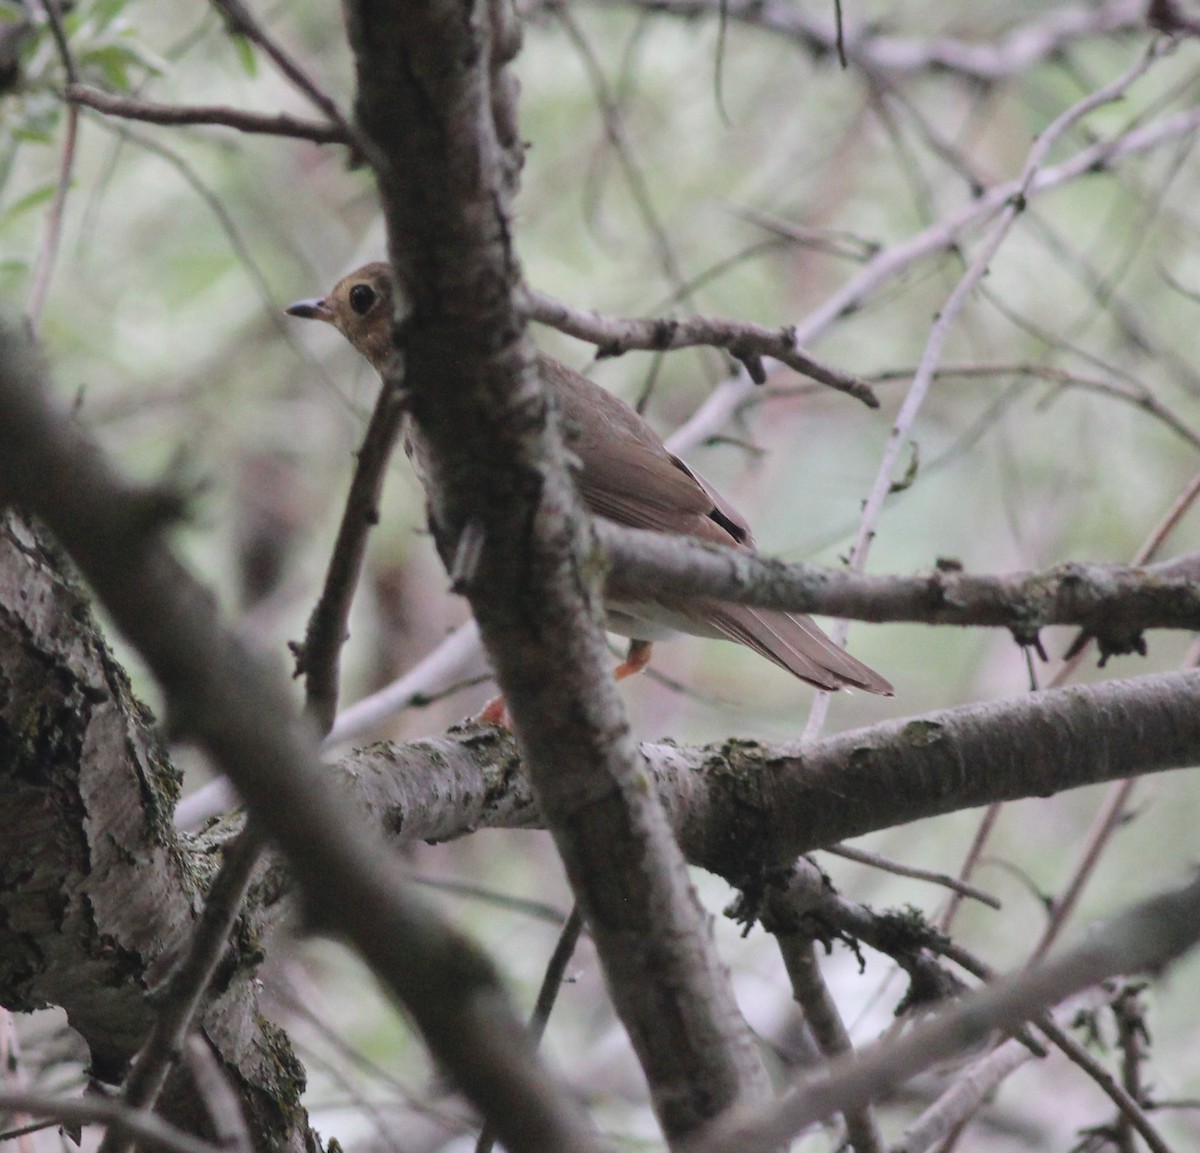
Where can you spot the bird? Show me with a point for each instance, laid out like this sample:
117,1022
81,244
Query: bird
626,475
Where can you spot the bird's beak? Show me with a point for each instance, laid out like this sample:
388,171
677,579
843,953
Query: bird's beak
316,309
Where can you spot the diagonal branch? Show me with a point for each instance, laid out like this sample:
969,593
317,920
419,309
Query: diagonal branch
1147,937
318,659
223,700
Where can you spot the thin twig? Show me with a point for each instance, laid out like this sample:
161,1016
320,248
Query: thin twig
979,842
538,910
189,983
257,123
459,649
137,1125
876,861
747,342
242,23
989,61
947,317
821,1013
1131,1040
552,982
48,252
611,118
1107,821
1139,396
319,658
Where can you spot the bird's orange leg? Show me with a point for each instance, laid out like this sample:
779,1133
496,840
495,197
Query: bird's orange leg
636,659
495,712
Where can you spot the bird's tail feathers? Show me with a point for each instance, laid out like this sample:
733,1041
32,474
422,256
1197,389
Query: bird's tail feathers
794,642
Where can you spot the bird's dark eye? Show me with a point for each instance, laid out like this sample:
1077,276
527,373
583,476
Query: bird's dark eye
362,297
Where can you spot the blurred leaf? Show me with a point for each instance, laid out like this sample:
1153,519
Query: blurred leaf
245,53
115,59
104,12
36,118
28,201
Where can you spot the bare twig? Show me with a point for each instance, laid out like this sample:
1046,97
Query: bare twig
821,1013
556,970
747,342
318,659
1012,54
48,252
613,128
876,861
1138,396
459,649
949,313
241,22
1108,819
983,832
1132,1039
257,123
189,983
1147,937
137,1125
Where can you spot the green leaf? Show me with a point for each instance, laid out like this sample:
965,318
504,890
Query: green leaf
245,53
29,201
104,12
116,60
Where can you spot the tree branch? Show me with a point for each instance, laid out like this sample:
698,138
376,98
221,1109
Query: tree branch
221,698
1115,603
318,659
258,123
742,806
437,100
93,919
1012,54
1147,937
749,343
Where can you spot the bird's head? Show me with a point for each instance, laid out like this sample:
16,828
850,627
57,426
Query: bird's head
362,307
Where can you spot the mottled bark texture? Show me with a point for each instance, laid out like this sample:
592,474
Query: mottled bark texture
742,808
98,892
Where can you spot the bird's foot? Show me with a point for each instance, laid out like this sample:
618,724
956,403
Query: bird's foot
495,712
636,659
